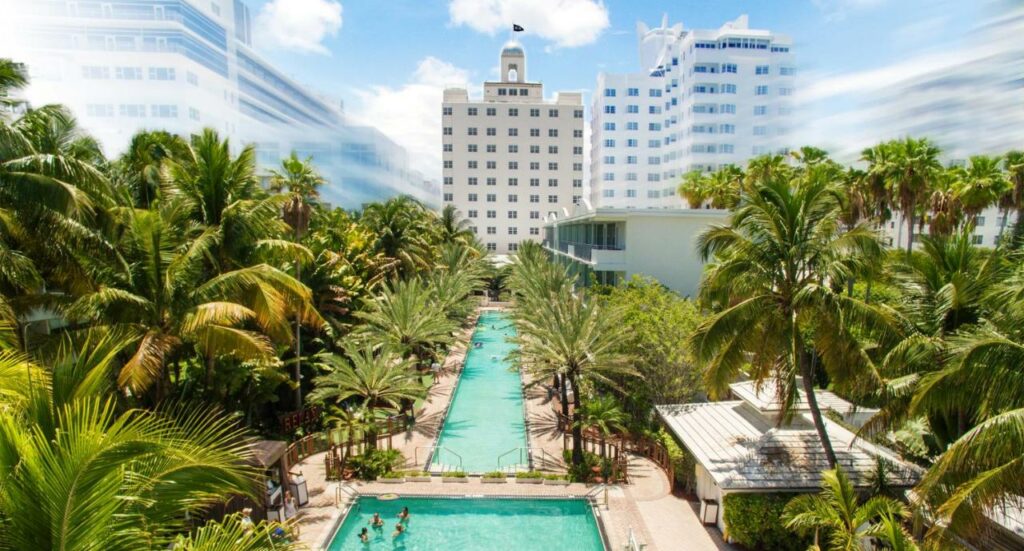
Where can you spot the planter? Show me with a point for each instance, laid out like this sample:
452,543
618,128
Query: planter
548,482
493,480
390,480
453,480
417,479
529,480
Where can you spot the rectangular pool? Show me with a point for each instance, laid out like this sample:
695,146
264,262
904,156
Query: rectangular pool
485,418
469,524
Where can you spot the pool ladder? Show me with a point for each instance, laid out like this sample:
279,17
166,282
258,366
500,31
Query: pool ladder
513,467
341,490
430,457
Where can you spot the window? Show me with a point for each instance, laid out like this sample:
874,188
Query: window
492,197
976,239
552,166
653,109
513,112
553,113
99,110
513,198
534,182
633,92
577,183
491,111
534,166
761,90
609,92
577,133
631,159
471,111
761,70
161,73
632,142
576,199
514,182
513,247
552,182
578,167
448,181
491,148
163,111
577,150
553,149
787,71
729,108
654,92
535,132
630,193
194,80
534,215
632,126
727,128
491,230
471,197
447,131
492,181
552,132
448,164
130,73
513,131
446,111
760,130
760,110
577,114
727,148
448,197
512,214
728,88
654,126
785,91
728,67
534,149
471,213
609,126
193,113
492,131
609,109
979,221
446,148
608,159
95,72
512,148
552,198
534,112
471,131
492,247
653,194
608,193
471,164
534,231
608,177
535,198
492,165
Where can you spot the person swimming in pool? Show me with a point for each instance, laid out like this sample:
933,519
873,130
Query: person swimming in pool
377,522
399,530
364,536
477,344
403,515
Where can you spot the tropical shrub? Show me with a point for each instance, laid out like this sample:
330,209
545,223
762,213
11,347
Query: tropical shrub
494,474
684,465
454,474
530,474
755,521
374,463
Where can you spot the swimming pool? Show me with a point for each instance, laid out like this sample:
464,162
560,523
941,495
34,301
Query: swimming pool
469,524
485,418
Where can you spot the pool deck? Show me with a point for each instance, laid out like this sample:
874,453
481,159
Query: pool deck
645,506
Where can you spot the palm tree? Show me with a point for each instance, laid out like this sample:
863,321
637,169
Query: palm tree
724,187
777,275
910,170
1014,197
76,474
836,516
982,185
403,232
604,415
406,316
302,181
378,379
453,228
573,337
945,205
140,169
694,188
231,534
13,76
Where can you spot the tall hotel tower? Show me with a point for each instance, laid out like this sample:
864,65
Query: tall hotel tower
511,158
703,99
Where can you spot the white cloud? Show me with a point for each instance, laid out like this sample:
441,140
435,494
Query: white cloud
300,25
566,23
837,10
411,114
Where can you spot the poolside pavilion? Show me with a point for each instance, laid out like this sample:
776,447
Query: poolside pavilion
740,446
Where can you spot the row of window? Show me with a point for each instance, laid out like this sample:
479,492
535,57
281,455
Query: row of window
493,198
633,92
133,110
512,148
511,215
512,112
534,132
512,165
631,193
512,182
98,72
630,160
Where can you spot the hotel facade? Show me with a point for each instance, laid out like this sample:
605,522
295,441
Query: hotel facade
512,157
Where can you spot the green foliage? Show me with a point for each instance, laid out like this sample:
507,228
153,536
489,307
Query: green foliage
683,463
454,474
530,474
495,474
755,521
552,476
374,463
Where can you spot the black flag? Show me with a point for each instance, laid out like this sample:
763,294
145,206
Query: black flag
517,28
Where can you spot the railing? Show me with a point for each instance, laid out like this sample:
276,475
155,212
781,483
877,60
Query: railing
520,450
340,489
655,452
632,543
431,455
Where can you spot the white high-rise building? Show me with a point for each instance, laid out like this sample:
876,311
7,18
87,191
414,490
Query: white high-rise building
703,99
182,65
512,157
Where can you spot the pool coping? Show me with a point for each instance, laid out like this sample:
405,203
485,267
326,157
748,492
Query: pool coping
455,389
339,516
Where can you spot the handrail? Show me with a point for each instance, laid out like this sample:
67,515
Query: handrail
632,543
516,449
342,489
433,449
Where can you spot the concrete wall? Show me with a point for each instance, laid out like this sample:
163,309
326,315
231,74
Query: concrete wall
664,247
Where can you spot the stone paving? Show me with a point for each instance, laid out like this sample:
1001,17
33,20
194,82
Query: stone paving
646,507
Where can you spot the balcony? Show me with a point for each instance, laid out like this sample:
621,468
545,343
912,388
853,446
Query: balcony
591,254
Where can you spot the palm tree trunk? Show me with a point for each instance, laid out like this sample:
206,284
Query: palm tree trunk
807,373
910,232
298,343
564,398
577,429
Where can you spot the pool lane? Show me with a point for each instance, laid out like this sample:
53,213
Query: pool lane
485,418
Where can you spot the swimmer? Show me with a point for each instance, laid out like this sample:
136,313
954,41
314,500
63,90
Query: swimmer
403,516
364,536
399,530
376,521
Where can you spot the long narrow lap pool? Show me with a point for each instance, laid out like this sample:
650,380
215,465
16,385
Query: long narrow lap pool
485,418
473,524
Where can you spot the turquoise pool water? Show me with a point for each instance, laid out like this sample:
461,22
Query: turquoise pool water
473,524
485,419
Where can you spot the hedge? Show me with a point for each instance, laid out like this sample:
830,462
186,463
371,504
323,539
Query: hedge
683,463
755,521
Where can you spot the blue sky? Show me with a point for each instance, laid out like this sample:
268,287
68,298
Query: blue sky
388,60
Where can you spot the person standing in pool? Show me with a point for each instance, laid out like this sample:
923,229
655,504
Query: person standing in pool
403,516
399,530
364,536
377,522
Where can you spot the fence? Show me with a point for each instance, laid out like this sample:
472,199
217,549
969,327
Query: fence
613,448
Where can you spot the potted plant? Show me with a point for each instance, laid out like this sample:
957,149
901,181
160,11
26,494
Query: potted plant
556,480
529,477
494,477
417,476
392,477
454,476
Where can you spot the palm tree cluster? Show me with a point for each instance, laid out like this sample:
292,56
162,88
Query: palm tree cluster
566,336
155,308
937,349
